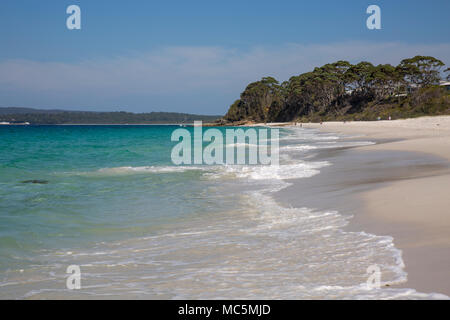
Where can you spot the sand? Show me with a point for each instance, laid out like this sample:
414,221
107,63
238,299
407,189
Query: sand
414,210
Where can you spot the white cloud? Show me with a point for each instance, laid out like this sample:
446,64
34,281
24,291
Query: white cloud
184,71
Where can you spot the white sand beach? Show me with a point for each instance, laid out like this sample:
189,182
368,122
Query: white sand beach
415,211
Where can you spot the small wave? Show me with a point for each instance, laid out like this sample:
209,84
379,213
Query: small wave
311,135
298,147
342,144
233,145
326,145
273,172
148,169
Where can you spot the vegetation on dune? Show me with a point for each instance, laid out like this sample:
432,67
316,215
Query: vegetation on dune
342,91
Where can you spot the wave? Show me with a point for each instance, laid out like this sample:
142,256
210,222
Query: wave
326,145
262,251
298,147
308,134
343,144
144,169
296,170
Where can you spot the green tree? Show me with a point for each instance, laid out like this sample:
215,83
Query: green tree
359,77
261,101
421,71
385,81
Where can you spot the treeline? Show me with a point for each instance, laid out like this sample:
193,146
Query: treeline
79,117
343,91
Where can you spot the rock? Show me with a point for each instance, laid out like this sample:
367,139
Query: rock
36,181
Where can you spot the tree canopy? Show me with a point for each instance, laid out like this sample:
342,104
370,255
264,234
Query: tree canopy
339,89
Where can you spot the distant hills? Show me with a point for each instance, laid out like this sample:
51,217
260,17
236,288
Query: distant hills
16,110
55,116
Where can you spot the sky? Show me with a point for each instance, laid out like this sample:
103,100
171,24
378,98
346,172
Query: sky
195,56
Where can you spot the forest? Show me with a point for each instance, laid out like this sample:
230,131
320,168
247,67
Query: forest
345,91
40,117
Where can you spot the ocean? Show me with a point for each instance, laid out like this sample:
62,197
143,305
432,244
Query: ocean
110,200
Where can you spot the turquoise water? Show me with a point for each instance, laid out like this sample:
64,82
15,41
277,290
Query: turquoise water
140,227
99,187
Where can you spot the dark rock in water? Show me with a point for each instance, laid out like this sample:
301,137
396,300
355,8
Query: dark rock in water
36,181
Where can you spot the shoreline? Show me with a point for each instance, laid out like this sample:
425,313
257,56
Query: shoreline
94,124
273,256
413,209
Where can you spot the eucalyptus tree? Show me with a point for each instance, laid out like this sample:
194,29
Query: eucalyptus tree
385,81
260,101
359,77
421,71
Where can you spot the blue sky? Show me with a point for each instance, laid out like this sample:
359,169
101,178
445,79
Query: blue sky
194,56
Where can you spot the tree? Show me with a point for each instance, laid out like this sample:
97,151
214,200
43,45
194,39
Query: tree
261,101
385,80
421,71
448,74
334,74
359,77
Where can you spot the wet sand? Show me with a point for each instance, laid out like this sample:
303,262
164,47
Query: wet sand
398,187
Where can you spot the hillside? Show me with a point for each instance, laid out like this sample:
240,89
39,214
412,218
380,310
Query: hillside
37,116
342,91
17,110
